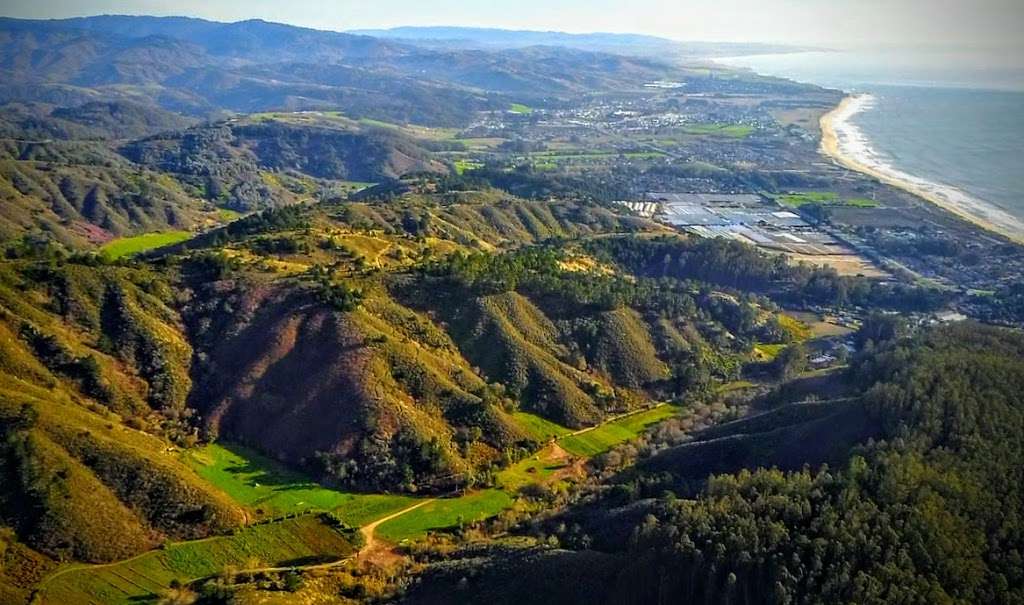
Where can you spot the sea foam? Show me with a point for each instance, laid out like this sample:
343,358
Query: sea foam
855,148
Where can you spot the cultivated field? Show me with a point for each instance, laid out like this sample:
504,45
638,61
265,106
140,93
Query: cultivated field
270,489
128,246
602,438
541,429
290,542
824,198
445,513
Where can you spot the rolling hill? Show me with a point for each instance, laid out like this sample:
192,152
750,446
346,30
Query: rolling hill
623,44
910,511
201,67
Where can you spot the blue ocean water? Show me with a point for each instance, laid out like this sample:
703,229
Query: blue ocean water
954,123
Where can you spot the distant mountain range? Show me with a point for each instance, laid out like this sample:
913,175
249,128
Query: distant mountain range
628,44
203,68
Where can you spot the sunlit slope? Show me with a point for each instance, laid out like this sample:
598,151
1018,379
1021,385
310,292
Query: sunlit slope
87,354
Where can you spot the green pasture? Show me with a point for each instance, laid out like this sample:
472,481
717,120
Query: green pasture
271,489
295,541
445,513
129,246
824,198
602,438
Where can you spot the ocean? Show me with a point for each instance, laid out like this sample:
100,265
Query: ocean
953,129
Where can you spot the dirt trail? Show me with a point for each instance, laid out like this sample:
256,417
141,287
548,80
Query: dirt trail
613,419
378,552
372,550
371,544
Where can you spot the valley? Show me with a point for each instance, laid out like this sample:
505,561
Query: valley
290,315
287,533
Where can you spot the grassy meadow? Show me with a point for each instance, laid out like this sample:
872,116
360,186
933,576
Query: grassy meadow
462,166
604,437
445,513
732,131
768,352
541,429
271,489
823,198
292,541
129,246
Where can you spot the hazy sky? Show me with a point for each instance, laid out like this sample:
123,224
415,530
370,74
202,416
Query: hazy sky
836,23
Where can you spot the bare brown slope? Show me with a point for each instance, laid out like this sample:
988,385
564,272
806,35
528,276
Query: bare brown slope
369,395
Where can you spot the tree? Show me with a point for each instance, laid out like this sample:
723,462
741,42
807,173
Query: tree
790,362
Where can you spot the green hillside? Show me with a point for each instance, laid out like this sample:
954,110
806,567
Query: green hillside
298,316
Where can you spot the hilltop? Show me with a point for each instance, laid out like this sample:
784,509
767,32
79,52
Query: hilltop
202,68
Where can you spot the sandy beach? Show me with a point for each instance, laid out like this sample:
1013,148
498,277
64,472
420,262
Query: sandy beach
842,141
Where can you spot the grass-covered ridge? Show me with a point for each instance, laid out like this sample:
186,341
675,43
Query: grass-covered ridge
95,371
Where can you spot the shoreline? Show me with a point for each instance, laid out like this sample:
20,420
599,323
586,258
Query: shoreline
832,131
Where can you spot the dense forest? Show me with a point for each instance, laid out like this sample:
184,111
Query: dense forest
927,512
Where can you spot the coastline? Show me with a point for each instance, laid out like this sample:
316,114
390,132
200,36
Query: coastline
835,127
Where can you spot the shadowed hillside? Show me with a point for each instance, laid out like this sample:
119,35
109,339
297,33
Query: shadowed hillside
357,393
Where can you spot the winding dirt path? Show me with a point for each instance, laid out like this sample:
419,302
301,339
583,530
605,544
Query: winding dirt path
612,419
375,550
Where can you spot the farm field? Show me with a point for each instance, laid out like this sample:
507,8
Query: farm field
570,155
540,428
291,541
128,246
445,513
476,506
461,166
481,143
732,131
605,436
818,326
824,198
271,489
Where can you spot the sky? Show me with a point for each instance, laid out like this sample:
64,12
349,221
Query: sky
987,24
